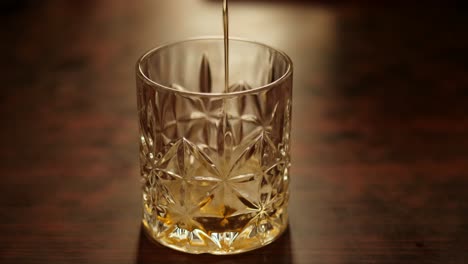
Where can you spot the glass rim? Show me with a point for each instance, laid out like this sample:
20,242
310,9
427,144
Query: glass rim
257,89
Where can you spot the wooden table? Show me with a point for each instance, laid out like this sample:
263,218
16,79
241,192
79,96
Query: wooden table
380,129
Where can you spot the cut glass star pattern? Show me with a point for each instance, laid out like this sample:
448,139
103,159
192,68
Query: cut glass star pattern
215,171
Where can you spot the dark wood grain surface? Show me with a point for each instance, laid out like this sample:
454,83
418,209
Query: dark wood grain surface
380,129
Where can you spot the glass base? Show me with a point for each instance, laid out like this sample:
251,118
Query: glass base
197,241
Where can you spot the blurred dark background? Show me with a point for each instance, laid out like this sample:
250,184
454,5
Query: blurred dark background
380,125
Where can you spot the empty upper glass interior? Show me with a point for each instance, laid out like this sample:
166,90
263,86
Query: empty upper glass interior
198,65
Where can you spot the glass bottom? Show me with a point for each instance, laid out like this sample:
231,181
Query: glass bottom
197,241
